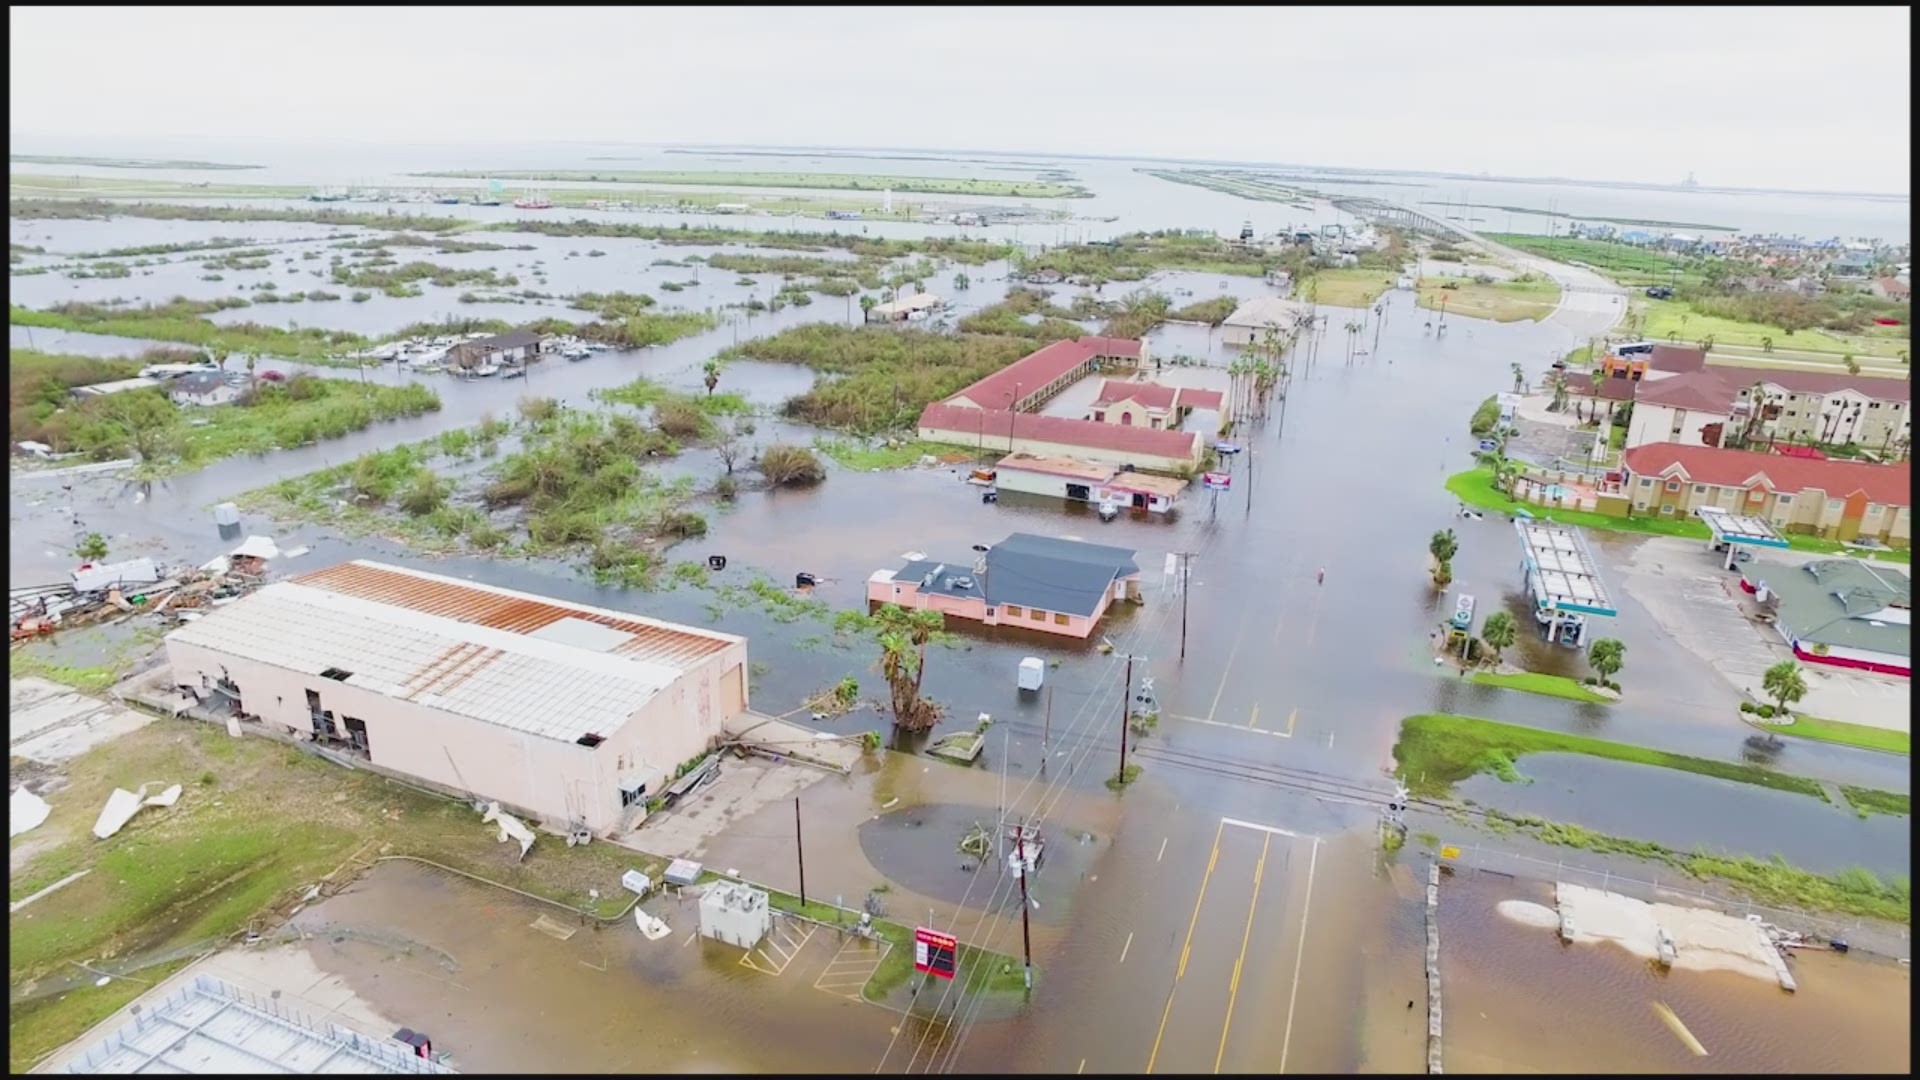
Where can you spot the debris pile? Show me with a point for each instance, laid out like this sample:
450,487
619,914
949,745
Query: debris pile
95,593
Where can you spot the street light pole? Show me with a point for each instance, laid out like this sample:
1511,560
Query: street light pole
801,852
1184,557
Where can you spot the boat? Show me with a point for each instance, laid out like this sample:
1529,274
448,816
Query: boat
515,373
447,200
577,352
533,202
485,370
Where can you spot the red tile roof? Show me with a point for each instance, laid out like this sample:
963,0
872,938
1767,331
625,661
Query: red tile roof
1702,391
1620,389
1037,369
1677,359
1742,468
1115,439
1151,395
1201,399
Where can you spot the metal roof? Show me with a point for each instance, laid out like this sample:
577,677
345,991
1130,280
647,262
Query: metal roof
1560,570
489,654
211,1028
1729,527
1831,601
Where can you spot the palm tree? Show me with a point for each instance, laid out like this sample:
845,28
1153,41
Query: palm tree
1497,632
903,661
1443,545
711,370
252,360
1558,380
1606,656
962,282
1442,575
1784,683
1519,379
867,304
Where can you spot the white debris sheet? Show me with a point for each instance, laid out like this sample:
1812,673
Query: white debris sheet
653,928
25,811
123,804
510,827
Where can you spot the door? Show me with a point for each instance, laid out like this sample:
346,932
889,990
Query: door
1080,491
357,733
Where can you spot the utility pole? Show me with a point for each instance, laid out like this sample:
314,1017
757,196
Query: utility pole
1126,702
1046,732
800,851
1184,556
1026,934
1249,479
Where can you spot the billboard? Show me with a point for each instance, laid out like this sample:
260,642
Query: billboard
1216,481
935,952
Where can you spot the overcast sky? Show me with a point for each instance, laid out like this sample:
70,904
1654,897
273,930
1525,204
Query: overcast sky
1762,97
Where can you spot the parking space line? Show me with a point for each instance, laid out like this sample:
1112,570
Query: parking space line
1230,727
780,942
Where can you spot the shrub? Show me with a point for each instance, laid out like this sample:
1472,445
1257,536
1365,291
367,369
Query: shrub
727,488
783,464
1766,712
681,524
538,410
1745,706
1591,681
681,419
424,494
92,547
361,296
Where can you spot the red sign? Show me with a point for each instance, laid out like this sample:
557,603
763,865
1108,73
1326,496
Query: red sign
1216,481
935,952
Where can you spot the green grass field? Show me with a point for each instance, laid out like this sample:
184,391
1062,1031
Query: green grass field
858,454
1475,488
1661,318
1623,263
1862,735
1354,287
1879,802
1438,750
1534,682
1500,301
920,185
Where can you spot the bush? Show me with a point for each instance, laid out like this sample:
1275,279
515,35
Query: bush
1591,681
424,494
782,464
681,419
1745,706
1766,712
681,524
538,410
1485,417
727,488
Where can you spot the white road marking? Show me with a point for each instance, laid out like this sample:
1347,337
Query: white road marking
1262,828
1127,946
1299,952
1163,850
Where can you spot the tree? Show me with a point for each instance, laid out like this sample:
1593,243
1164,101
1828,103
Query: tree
1756,404
1497,632
711,372
903,661
253,361
1784,683
961,282
729,447
1443,545
92,547
1519,378
867,304
1766,344
1558,380
1442,575
1606,656
1853,366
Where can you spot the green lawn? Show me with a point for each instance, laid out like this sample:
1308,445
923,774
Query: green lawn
863,455
1872,738
1500,301
1661,318
1353,286
1534,682
1879,802
1475,488
1437,750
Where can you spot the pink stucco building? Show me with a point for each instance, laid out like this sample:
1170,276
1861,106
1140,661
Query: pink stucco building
1041,583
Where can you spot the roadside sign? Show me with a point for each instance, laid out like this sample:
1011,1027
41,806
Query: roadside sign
1448,851
1216,481
935,952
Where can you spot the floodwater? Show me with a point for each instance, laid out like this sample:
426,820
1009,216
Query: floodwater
1518,1000
1690,812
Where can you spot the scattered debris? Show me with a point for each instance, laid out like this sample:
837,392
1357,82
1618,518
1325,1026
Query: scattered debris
123,804
653,928
511,827
25,811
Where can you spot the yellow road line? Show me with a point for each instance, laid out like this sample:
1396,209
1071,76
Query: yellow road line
1187,948
1292,717
1233,992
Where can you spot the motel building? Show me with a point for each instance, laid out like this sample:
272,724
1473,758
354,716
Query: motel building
1042,583
570,715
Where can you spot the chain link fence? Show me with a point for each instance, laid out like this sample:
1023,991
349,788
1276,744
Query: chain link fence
1870,935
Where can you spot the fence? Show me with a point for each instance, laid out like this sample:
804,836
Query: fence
1868,935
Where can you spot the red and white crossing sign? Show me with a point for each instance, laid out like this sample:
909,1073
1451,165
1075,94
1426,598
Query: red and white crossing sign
935,952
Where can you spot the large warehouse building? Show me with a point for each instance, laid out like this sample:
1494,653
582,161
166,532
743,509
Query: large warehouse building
568,714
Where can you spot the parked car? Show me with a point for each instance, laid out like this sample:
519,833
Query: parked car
273,376
1659,292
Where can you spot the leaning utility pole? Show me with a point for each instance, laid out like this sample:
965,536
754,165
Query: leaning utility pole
801,852
1184,556
1126,701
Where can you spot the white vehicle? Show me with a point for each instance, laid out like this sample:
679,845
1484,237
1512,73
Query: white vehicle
175,371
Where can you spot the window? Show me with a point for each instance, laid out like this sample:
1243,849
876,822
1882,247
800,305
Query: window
1059,619
1784,500
1100,416
1833,504
590,740
1699,489
1673,485
1013,610
1666,509
1646,481
1036,615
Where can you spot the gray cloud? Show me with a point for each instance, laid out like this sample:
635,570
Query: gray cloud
1763,96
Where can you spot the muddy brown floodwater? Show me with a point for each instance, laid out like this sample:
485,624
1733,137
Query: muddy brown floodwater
1517,1000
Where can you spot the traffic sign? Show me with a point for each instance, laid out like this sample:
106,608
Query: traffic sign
935,952
1216,481
1448,851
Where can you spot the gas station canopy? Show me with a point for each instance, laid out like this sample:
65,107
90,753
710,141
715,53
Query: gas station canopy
1561,570
1731,528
